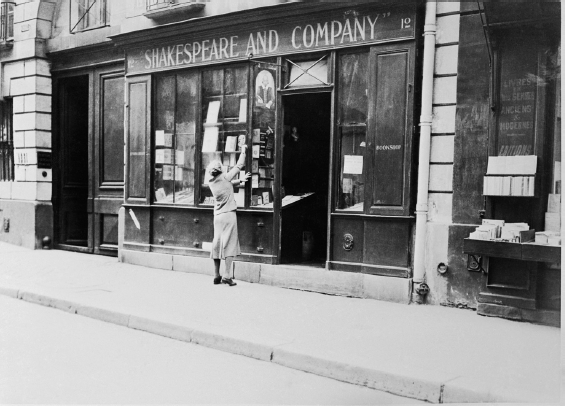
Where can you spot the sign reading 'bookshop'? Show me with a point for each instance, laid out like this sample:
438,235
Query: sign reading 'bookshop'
350,28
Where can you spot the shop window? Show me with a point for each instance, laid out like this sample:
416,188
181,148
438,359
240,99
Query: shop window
308,73
87,14
352,125
6,141
176,108
263,136
524,155
224,123
375,102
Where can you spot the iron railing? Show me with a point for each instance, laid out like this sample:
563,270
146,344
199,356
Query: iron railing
157,4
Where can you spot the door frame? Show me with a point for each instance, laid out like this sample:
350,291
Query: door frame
278,200
57,145
103,193
96,77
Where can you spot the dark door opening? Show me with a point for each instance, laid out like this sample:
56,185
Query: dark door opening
72,177
305,177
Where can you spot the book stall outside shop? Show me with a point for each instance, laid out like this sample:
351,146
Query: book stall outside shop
518,245
331,162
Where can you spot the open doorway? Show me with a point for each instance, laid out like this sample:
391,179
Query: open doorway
305,177
71,209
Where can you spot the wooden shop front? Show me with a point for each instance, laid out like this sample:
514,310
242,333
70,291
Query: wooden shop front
322,94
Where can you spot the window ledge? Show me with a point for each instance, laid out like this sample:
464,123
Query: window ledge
6,44
176,10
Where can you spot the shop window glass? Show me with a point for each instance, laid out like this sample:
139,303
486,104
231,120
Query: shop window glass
185,139
556,164
308,73
517,99
6,141
352,121
87,14
224,122
263,137
176,104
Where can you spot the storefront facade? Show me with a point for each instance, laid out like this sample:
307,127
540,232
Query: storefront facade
305,96
368,146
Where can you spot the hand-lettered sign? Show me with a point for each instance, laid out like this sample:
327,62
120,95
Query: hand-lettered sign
347,28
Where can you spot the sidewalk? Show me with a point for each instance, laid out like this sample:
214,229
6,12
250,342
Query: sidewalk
432,353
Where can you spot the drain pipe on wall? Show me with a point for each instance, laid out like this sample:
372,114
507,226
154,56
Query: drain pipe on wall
419,288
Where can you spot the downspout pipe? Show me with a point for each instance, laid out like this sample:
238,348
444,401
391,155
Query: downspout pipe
419,287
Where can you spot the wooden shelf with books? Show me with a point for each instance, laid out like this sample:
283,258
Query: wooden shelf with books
527,251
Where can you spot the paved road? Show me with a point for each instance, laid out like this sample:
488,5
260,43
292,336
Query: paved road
49,356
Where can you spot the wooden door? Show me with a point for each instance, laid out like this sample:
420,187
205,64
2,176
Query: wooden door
72,176
108,160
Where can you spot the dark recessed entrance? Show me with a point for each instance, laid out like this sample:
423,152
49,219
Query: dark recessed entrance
72,177
305,178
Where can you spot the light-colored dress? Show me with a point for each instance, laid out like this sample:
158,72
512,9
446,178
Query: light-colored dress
226,241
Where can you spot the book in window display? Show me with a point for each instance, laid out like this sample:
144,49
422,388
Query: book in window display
231,143
179,157
243,110
210,141
163,139
213,112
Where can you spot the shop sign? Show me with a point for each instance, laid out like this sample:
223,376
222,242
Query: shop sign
350,28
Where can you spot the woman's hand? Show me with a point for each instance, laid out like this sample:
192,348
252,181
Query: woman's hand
245,177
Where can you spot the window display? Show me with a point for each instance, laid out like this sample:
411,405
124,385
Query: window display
224,122
353,102
175,138
263,138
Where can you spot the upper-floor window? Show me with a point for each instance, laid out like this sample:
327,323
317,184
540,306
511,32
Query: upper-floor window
6,141
87,14
7,21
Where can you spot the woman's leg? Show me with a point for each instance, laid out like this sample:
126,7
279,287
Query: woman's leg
216,267
228,270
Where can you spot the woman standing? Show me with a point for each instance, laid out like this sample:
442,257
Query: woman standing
226,242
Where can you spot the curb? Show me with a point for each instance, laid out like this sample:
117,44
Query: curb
420,386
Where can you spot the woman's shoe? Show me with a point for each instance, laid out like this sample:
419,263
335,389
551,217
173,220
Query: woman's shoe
228,282
217,280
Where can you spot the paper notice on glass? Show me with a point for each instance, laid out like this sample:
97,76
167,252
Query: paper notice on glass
163,156
159,138
167,172
353,164
210,141
213,111
179,157
163,139
178,174
347,185
243,110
